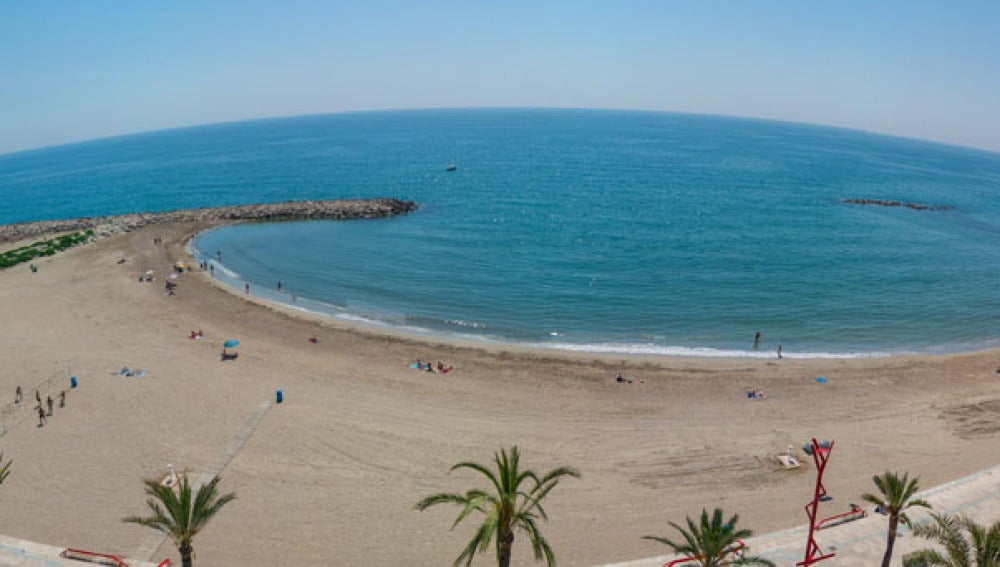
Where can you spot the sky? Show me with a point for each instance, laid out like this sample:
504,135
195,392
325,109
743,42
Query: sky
72,70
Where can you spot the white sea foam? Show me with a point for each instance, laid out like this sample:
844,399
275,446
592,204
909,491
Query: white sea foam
467,324
701,352
231,274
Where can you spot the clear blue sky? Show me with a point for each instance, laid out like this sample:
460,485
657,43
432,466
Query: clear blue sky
73,70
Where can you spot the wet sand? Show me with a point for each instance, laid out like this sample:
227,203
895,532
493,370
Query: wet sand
330,476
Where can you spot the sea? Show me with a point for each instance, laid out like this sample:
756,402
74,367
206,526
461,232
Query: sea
580,230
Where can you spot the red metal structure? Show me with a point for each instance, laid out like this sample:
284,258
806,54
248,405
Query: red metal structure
854,513
737,549
820,456
93,557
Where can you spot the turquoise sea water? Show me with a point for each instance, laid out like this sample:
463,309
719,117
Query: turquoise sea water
585,230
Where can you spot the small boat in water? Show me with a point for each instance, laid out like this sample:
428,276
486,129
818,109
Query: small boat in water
451,167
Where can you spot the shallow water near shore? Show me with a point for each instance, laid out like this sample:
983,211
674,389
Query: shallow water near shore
597,231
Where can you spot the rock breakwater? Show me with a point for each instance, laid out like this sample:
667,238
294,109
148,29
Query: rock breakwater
343,209
885,203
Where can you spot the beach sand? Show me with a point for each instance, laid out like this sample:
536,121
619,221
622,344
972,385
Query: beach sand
331,476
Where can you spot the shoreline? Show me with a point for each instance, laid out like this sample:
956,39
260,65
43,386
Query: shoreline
375,329
278,299
356,417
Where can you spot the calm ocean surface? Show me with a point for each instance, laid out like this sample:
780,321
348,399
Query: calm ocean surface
584,230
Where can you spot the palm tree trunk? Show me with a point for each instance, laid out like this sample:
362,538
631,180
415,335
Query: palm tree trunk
890,540
186,552
506,544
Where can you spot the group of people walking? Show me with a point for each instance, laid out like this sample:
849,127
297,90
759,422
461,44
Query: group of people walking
44,411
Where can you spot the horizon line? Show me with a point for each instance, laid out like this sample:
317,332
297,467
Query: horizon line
191,126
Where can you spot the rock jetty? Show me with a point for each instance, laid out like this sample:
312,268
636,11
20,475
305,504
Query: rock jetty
345,209
884,203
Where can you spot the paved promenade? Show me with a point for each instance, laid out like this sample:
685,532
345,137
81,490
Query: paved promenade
862,542
21,553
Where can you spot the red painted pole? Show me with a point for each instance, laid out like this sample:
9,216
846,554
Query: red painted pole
820,457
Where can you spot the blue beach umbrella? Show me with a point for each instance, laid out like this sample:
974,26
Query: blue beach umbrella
821,379
231,343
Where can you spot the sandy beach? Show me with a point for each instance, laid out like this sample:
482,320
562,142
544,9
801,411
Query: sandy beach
331,475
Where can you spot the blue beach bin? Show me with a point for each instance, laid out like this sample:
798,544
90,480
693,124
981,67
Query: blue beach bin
72,381
279,396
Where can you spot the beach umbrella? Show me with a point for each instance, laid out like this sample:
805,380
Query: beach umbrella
231,343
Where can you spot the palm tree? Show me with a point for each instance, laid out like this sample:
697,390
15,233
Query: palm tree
897,496
712,543
180,517
516,504
981,549
4,469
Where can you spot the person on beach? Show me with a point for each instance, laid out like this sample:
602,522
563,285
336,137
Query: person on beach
38,398
779,351
279,286
41,416
246,288
62,399
18,395
48,403
756,341
211,269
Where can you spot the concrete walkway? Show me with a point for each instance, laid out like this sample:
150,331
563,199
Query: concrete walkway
862,542
21,553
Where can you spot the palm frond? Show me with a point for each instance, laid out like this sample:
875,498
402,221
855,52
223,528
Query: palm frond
871,498
711,540
438,499
965,543
926,558
480,469
539,545
511,508
175,514
662,540
480,540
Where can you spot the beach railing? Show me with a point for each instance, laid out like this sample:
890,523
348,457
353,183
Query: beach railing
854,513
94,557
